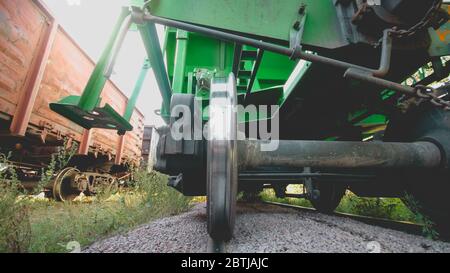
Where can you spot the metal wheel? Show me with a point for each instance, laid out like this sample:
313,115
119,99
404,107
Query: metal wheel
222,174
250,194
63,188
280,190
324,196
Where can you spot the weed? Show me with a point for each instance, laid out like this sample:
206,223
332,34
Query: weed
58,161
428,225
15,230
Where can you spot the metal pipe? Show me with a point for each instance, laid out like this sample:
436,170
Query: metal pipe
365,76
296,176
294,53
368,74
224,36
334,154
386,55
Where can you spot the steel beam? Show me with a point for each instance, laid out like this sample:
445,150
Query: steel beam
237,58
136,91
150,38
255,70
120,149
91,94
180,61
130,109
85,142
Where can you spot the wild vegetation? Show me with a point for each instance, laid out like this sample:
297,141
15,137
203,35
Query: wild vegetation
31,224
386,208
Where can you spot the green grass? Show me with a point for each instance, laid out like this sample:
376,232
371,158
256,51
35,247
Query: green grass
33,225
388,208
29,225
385,208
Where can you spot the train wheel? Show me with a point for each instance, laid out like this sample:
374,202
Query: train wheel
427,190
251,194
63,187
324,196
280,190
222,175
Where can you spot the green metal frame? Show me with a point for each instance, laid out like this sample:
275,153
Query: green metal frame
85,110
265,18
277,77
151,42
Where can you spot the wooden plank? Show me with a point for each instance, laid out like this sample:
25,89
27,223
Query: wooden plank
22,30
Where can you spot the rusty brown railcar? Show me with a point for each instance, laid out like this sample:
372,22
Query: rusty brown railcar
39,64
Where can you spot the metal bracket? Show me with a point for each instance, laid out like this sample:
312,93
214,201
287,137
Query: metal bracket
296,32
137,15
176,182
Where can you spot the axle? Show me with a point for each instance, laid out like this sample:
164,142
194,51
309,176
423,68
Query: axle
327,154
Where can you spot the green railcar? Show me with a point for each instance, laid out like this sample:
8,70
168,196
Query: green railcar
331,94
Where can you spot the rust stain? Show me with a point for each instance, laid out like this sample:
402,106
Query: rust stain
443,34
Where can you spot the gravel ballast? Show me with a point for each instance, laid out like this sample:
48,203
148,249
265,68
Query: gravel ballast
262,228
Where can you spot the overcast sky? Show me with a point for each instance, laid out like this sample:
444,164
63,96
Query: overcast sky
90,23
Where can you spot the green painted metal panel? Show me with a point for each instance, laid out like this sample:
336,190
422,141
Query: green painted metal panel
207,53
278,76
101,117
266,18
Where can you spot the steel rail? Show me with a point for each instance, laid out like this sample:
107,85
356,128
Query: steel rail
404,226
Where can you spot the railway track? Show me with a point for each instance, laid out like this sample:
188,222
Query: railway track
267,228
408,227
402,226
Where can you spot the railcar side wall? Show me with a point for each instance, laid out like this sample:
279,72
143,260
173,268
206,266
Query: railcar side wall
23,24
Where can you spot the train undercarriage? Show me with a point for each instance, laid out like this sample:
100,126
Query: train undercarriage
328,78
52,169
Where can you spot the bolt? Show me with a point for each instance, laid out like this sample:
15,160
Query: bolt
302,9
297,25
